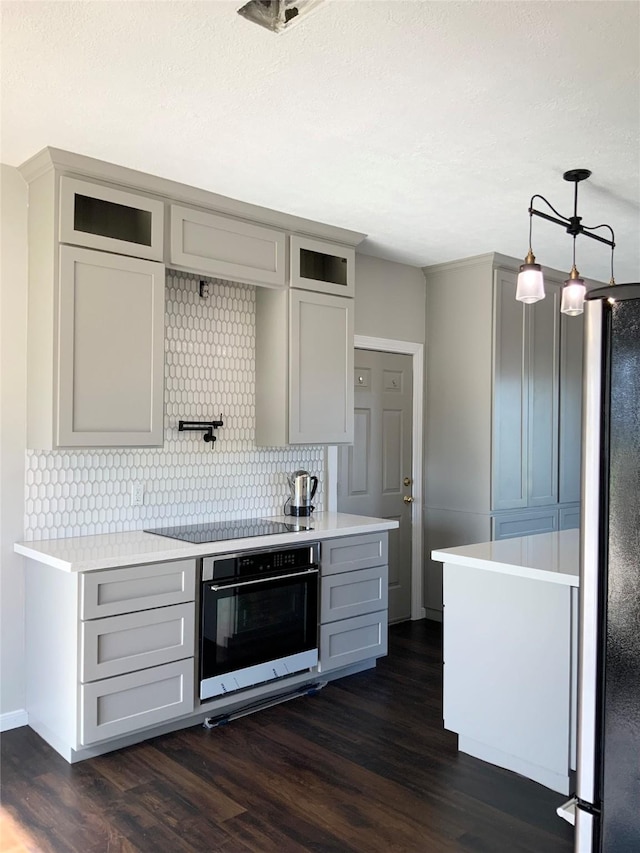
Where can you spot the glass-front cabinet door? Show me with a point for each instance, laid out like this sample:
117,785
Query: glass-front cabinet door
323,267
110,219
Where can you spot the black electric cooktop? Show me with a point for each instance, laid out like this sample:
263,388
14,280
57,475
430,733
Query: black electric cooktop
217,531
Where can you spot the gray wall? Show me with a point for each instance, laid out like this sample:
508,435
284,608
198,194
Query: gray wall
13,408
390,300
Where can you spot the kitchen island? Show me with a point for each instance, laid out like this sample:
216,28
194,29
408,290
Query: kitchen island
122,628
510,652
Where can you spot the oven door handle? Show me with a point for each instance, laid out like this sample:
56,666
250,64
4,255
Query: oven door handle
217,587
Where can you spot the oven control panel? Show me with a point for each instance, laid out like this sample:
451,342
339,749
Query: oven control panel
258,563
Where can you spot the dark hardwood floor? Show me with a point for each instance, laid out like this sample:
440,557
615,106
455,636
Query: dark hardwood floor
363,766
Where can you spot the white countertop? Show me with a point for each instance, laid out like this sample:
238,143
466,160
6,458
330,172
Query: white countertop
544,556
88,553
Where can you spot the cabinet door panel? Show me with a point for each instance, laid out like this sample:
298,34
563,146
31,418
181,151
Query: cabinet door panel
352,640
120,644
320,369
354,593
228,248
353,552
110,219
111,350
543,343
133,588
510,400
126,703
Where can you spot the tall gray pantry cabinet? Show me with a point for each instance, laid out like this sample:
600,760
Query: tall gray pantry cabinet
503,401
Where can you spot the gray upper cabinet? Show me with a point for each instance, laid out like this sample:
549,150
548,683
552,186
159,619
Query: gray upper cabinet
95,345
110,219
304,368
322,267
219,246
525,397
110,350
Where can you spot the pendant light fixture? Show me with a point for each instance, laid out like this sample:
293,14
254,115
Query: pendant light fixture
530,287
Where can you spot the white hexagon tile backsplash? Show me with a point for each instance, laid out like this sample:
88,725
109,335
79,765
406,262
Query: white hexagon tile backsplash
209,371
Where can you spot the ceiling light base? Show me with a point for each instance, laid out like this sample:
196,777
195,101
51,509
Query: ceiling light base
576,175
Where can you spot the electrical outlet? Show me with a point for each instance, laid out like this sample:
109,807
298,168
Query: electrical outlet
137,494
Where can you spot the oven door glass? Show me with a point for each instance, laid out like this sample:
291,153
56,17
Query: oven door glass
250,624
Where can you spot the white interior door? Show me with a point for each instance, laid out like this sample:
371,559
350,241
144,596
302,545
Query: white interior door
374,475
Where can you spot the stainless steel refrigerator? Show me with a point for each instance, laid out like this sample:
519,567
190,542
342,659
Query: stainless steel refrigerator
608,776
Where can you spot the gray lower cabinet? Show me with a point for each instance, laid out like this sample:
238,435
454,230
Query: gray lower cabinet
110,652
354,600
137,663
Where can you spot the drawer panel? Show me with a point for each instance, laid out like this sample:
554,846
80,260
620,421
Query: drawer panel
228,248
354,593
127,703
120,644
352,640
524,523
353,552
114,591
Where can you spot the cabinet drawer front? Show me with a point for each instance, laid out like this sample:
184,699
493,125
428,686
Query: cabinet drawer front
120,644
219,246
354,593
322,267
353,640
110,219
569,517
127,703
524,523
354,552
114,591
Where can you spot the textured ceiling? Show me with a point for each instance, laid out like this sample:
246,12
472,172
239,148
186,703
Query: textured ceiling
427,125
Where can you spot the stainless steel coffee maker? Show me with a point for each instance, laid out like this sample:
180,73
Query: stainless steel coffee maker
303,487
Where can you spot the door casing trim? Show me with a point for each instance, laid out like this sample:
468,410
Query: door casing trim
416,351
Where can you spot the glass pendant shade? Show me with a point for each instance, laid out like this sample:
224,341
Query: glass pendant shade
530,284
573,294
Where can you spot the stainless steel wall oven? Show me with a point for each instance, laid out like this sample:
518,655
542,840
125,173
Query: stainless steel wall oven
258,617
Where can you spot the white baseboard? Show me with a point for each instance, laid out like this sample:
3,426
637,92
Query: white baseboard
435,615
13,720
543,775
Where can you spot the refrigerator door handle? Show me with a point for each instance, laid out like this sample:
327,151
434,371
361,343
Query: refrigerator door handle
589,558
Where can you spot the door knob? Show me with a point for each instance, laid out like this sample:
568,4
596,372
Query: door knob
407,499
407,481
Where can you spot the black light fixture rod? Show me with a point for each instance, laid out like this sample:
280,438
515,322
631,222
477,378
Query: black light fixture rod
570,228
